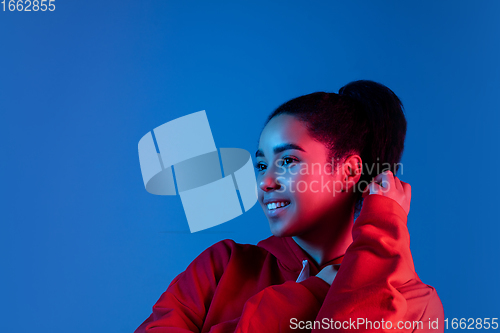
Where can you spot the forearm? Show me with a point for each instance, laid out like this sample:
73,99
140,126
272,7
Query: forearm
376,263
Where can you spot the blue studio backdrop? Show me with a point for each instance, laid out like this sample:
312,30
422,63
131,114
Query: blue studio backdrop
85,248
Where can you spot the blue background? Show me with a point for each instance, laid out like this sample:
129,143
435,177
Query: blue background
84,247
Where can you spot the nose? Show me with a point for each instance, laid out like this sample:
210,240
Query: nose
269,182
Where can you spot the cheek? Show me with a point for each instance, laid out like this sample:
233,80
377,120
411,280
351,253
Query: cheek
313,189
312,185
316,192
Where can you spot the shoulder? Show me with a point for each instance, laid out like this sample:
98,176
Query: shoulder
434,308
433,312
223,253
422,300
228,247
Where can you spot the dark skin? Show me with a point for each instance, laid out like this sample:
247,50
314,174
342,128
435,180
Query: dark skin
291,176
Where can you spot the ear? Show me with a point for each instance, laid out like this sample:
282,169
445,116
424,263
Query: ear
351,171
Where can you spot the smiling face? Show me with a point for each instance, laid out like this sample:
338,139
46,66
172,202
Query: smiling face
297,190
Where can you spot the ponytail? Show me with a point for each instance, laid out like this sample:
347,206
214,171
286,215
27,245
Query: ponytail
384,142
386,121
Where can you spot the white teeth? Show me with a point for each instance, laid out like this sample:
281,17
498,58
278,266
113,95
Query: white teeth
275,205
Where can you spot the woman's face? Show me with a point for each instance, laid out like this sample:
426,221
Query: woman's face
297,189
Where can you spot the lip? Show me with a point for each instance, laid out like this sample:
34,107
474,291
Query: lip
277,211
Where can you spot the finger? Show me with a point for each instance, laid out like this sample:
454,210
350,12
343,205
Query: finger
385,179
407,189
389,177
398,185
375,188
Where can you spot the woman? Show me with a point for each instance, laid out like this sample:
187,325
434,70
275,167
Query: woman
323,159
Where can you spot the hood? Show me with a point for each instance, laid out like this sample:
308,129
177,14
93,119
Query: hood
290,255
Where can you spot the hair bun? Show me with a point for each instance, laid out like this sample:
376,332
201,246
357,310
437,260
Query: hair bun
384,113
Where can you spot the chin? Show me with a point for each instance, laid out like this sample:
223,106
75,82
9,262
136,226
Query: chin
279,229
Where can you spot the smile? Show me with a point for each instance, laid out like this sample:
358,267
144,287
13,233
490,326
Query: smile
276,205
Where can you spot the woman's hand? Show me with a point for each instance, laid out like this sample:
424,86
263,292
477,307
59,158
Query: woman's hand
328,273
389,186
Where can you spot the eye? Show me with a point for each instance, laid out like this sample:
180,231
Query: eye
260,166
289,161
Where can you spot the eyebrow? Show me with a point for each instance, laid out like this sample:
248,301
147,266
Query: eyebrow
280,148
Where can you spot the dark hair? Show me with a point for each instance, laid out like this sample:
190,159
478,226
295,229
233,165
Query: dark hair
364,118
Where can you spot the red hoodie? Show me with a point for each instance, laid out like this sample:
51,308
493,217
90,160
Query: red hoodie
244,288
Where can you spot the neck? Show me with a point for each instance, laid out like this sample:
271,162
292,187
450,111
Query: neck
331,239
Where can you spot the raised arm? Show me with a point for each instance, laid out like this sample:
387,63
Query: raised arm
377,267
